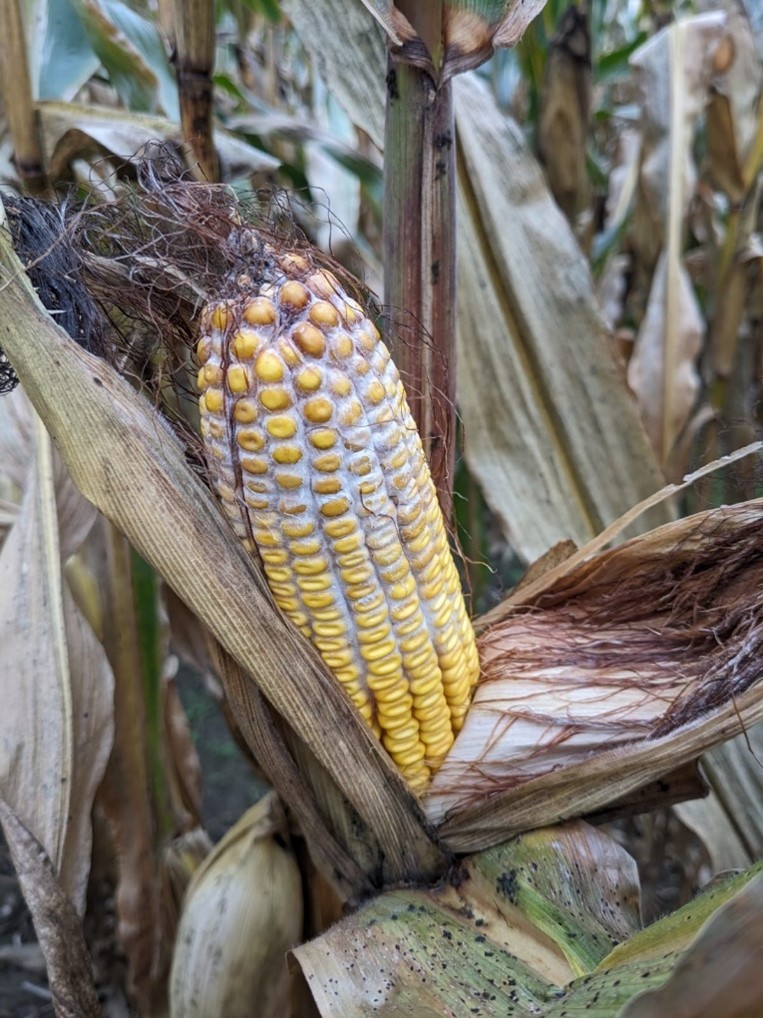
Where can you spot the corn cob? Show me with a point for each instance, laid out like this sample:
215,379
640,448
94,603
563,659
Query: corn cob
321,471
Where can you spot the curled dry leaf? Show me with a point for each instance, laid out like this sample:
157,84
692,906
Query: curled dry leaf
56,922
56,726
675,68
470,32
634,646
242,913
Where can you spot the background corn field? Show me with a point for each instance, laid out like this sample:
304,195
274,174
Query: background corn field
600,178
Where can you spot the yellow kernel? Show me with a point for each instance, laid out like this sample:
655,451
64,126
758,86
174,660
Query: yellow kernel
339,660
375,635
291,508
324,315
386,667
365,341
309,340
293,528
214,400
330,615
278,557
306,547
322,438
288,353
353,576
268,367
245,344
352,311
341,385
277,575
340,528
315,583
329,629
250,439
335,507
251,465
343,346
259,487
319,410
237,379
256,503
211,374
347,544
287,454
362,367
201,379
330,461
220,317
321,600
203,350
310,566
370,620
245,411
395,573
327,485
309,380
375,392
351,413
399,591
260,311
281,426
294,294
288,481
275,399
359,591
400,708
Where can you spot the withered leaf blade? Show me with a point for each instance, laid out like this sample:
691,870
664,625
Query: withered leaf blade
555,439
56,724
56,922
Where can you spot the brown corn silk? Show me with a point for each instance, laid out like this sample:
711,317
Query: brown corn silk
321,471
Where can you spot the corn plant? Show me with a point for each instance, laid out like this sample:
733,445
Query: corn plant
442,817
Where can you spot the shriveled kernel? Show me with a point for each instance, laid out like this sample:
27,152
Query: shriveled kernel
322,438
324,283
260,311
268,367
289,482
211,374
245,344
294,294
275,399
288,354
291,508
335,507
318,410
330,461
250,439
311,547
203,350
293,263
245,411
309,380
237,379
294,528
351,413
287,454
343,346
309,339
281,426
254,465
341,385
324,315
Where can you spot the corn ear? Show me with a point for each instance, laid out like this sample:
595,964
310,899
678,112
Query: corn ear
242,913
320,468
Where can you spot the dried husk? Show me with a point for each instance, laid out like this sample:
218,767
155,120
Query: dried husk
242,913
638,646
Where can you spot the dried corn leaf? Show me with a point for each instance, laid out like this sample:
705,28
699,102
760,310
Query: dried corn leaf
128,463
633,662
555,438
470,32
674,69
516,923
730,820
56,726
